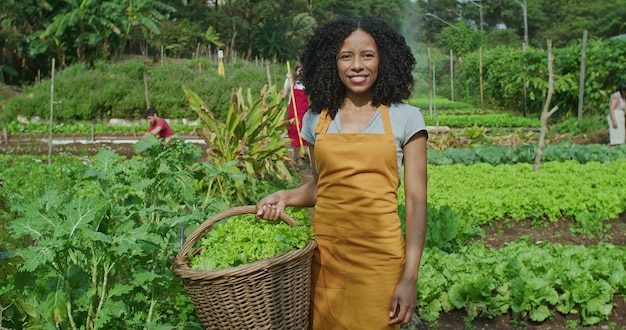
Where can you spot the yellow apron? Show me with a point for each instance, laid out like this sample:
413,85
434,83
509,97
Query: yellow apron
360,256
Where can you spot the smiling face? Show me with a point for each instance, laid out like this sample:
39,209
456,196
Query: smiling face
357,63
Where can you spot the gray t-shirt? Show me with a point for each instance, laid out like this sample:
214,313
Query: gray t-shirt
406,120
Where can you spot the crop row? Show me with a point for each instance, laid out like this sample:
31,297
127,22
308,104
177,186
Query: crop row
86,128
587,193
526,153
523,279
482,120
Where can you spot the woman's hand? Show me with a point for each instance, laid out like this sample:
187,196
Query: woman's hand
403,302
270,207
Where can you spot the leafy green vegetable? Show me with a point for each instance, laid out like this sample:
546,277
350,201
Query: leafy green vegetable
593,192
243,239
524,278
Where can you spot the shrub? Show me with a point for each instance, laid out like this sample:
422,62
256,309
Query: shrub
118,90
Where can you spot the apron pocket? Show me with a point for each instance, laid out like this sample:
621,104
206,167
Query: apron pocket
329,260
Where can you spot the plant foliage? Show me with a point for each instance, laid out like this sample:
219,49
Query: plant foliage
525,279
103,239
252,135
243,240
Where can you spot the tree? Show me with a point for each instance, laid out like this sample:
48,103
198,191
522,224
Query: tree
603,19
387,10
437,15
142,16
460,38
85,26
18,20
302,26
271,41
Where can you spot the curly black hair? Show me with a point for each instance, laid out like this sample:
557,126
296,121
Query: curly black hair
319,61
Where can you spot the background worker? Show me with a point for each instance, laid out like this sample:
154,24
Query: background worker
158,126
298,106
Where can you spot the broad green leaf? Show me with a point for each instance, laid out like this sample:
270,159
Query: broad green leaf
540,313
80,214
39,256
144,277
118,290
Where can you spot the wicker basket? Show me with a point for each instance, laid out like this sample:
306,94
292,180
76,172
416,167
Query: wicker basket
267,294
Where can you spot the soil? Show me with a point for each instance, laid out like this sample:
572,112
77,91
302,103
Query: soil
496,236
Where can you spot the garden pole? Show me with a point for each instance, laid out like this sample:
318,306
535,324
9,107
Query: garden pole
524,75
51,113
435,100
451,75
145,86
581,82
480,69
430,88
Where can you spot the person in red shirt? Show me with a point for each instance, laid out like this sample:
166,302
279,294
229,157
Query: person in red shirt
301,102
158,126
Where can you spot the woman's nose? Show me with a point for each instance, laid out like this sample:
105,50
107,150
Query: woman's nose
357,64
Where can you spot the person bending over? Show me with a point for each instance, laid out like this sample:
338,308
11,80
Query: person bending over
157,126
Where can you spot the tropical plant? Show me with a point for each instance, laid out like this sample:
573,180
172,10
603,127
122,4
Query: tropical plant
143,16
213,37
253,134
87,26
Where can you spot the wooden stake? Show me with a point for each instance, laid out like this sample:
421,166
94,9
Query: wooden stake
269,76
482,95
451,76
51,113
430,88
581,82
145,86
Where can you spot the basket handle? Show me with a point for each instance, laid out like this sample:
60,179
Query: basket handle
206,225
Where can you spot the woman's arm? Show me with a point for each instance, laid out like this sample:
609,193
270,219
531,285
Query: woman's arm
612,107
415,186
270,206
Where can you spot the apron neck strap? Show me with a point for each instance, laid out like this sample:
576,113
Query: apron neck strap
324,121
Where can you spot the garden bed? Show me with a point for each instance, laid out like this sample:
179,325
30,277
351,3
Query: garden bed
496,236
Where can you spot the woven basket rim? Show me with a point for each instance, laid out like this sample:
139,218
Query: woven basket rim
181,262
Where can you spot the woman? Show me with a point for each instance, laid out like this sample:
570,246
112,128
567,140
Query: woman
615,118
357,71
298,106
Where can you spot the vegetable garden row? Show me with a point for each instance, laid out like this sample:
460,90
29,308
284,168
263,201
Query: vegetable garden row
90,240
482,120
